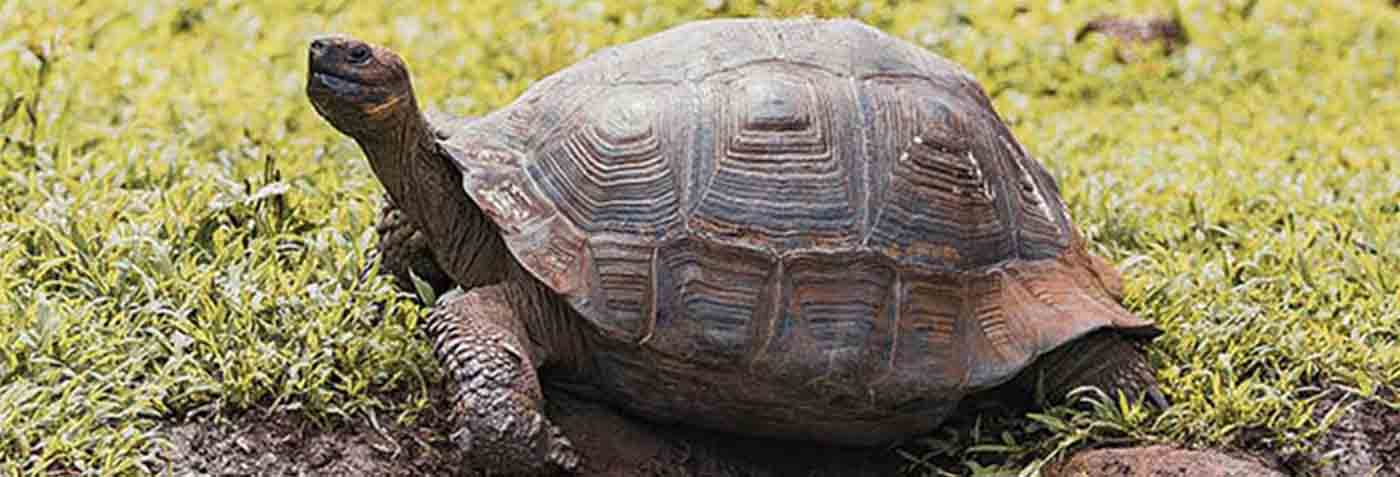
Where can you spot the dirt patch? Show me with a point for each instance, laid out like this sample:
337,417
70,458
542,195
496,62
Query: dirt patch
1365,440
286,444
613,446
1160,461
1135,36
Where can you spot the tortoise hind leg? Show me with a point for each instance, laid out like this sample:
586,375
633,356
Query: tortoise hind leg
497,405
1104,359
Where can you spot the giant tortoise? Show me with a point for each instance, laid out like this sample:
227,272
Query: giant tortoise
804,229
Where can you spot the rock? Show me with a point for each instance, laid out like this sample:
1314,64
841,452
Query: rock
1159,461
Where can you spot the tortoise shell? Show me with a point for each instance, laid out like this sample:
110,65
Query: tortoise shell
797,201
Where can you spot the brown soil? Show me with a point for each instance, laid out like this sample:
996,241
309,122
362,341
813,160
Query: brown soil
613,446
291,445
1367,439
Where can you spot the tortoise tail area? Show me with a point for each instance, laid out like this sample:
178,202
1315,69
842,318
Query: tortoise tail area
1105,359
1030,312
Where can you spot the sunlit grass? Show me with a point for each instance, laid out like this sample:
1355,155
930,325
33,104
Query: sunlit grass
180,233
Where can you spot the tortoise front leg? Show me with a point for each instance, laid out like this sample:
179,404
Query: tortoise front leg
403,249
497,404
1105,359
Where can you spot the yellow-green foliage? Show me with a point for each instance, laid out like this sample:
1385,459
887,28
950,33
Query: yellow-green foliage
181,234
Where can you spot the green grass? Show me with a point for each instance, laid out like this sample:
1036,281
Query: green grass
181,235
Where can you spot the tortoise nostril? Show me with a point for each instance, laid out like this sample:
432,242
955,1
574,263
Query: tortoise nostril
318,46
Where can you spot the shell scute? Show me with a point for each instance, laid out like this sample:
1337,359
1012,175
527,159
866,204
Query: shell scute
939,207
613,170
779,166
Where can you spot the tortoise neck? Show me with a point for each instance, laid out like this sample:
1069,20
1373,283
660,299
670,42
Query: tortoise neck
394,149
424,183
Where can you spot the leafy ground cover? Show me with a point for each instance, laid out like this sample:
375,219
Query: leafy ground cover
181,238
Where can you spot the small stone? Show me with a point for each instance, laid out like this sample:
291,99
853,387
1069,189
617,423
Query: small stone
1159,461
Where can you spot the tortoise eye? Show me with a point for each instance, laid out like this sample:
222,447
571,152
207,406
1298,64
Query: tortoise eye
359,54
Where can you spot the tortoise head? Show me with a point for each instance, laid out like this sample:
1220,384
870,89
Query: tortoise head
360,88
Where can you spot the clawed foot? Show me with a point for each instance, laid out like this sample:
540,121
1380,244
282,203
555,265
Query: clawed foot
561,452
497,401
498,430
478,338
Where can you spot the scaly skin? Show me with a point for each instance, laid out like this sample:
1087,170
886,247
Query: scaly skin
403,248
1105,359
477,337
497,401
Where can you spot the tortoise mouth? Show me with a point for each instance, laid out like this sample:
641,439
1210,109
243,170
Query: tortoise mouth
336,84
